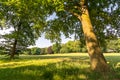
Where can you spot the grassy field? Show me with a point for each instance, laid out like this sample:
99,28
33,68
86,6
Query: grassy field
74,66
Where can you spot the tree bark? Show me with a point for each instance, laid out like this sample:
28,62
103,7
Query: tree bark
13,49
98,62
15,41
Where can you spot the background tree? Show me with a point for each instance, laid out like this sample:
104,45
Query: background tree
113,45
43,51
26,25
64,49
73,47
56,47
49,50
35,51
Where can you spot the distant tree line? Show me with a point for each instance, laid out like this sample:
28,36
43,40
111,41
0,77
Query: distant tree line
75,46
69,47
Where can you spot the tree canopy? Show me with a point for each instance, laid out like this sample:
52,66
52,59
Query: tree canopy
26,20
104,16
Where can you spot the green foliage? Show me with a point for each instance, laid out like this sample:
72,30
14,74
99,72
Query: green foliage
84,49
104,15
43,51
73,47
38,51
25,18
35,51
64,49
2,51
56,47
27,21
113,45
26,52
32,16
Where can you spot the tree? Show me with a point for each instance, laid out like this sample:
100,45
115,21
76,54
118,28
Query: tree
73,47
43,51
93,18
38,51
26,24
56,47
64,49
49,50
78,46
113,45
35,51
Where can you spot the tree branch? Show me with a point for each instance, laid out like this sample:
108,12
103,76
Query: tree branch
75,14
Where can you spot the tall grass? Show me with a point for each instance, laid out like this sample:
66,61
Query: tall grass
74,66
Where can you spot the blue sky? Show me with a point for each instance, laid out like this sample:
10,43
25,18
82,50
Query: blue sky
42,42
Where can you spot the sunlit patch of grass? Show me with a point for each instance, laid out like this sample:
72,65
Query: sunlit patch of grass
56,77
113,59
55,67
118,65
14,64
82,76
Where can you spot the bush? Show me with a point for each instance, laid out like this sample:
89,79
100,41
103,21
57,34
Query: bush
43,51
35,51
56,48
64,50
83,50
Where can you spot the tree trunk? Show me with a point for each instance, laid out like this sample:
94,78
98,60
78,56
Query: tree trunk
15,41
98,62
13,49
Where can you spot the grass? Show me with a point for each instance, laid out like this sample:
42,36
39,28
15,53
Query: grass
74,66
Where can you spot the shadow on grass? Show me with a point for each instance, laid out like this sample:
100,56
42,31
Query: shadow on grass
45,72
113,59
40,57
57,71
54,71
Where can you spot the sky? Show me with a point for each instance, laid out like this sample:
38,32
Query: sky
41,42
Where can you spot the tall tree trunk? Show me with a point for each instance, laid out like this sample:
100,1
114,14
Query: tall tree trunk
13,49
98,62
15,41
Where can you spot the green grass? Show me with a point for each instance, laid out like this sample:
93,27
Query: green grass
72,66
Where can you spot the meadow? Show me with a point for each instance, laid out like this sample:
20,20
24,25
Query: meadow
73,66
